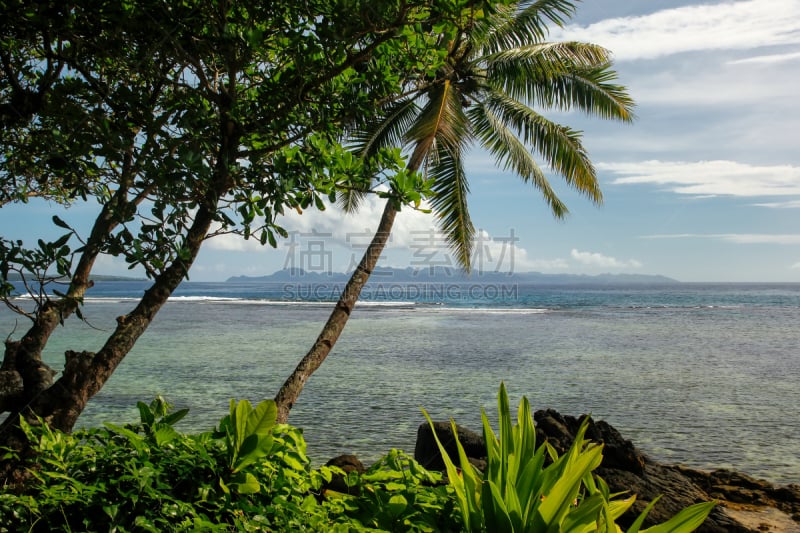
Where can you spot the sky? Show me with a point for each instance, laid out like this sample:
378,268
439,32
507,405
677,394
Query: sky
703,186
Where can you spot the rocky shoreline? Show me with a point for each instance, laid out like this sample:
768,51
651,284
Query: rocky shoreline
746,504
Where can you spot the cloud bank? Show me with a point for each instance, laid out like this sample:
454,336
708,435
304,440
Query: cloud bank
704,178
596,259
340,228
723,26
738,238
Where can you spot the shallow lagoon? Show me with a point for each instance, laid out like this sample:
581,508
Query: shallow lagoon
704,375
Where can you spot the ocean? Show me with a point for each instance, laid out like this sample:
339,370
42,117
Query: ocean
704,375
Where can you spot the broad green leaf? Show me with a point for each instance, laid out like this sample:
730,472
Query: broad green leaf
239,413
465,502
397,504
164,434
245,483
175,417
685,521
254,448
261,419
145,414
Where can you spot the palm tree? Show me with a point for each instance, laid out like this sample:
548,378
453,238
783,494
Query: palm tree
499,70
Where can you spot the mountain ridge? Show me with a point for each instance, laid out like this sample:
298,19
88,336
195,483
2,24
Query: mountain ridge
452,275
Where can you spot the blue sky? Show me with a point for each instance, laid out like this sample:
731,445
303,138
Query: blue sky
704,186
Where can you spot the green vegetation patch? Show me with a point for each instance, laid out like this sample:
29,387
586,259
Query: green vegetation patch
252,474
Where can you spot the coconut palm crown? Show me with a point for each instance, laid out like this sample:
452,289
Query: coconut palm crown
499,70
499,74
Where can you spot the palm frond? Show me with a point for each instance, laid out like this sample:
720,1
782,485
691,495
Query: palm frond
441,123
524,23
449,203
593,92
511,154
559,145
385,130
350,199
546,57
561,76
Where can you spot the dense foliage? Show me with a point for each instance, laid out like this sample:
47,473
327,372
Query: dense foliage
251,474
174,123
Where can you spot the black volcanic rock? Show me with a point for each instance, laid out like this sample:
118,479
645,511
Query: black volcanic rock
426,451
746,504
559,431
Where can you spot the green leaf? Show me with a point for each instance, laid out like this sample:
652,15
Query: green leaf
397,504
164,434
293,462
685,521
261,419
564,491
495,512
637,524
61,241
585,516
239,413
145,414
173,418
254,448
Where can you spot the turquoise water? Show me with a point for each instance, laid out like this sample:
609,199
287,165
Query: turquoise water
704,375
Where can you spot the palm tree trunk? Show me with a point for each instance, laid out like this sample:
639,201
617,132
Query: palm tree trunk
293,386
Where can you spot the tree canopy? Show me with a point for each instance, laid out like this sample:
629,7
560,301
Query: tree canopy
179,121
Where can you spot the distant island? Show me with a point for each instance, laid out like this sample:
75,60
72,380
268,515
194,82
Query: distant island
454,275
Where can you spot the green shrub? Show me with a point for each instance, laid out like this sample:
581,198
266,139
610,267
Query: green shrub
150,477
397,494
521,491
251,474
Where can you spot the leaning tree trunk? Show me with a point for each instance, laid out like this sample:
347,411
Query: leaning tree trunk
85,373
23,374
292,387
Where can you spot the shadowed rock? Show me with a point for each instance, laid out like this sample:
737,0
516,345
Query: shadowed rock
348,463
426,452
747,505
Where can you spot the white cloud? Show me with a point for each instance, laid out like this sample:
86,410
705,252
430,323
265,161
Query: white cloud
599,260
795,266
700,83
738,238
791,204
726,178
727,25
499,253
545,265
767,59
334,226
414,238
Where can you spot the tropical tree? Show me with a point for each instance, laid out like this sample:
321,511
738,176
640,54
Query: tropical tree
178,122
499,74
